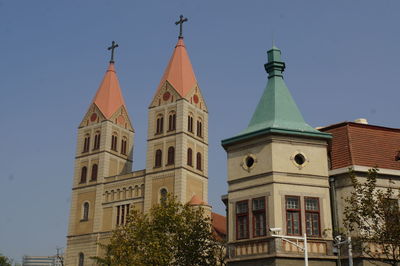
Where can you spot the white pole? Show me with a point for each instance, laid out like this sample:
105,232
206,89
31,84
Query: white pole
350,251
305,250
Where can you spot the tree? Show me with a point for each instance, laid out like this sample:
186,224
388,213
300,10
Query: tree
4,261
372,216
171,234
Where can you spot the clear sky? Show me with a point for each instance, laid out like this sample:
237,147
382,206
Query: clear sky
342,61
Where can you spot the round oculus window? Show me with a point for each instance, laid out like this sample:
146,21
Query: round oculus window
196,98
93,117
166,96
121,119
249,161
299,159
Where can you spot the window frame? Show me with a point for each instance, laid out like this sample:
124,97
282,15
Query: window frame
172,121
158,158
257,212
163,194
96,143
159,124
85,211
199,160
190,123
81,259
312,211
83,178
190,157
114,142
293,211
241,215
86,143
122,214
124,142
95,172
199,128
171,155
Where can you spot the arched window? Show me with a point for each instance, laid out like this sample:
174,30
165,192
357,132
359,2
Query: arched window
158,160
190,157
172,121
198,161
160,124
114,141
171,155
123,145
83,174
96,144
81,259
163,195
94,173
86,143
190,123
199,128
85,215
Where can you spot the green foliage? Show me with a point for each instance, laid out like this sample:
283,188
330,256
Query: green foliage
372,215
4,261
171,234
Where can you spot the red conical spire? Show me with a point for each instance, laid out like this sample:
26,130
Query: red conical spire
179,72
109,96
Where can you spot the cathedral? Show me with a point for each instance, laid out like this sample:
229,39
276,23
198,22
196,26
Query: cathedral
104,187
287,181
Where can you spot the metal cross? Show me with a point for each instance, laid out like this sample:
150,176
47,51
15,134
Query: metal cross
112,47
180,22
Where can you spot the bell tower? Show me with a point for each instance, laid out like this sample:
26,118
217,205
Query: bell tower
104,149
177,143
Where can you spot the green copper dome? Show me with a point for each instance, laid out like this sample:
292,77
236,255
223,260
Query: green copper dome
276,111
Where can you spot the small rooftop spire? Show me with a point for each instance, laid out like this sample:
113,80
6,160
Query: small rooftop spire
275,66
276,111
109,97
180,22
112,47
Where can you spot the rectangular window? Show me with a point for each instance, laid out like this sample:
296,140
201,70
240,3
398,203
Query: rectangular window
259,217
312,216
242,220
122,214
293,224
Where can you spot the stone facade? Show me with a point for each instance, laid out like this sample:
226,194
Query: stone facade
283,174
278,178
103,195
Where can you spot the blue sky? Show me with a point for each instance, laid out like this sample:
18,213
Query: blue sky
342,61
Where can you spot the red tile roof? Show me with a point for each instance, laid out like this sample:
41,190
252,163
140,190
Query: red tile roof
219,225
218,221
179,72
108,97
364,145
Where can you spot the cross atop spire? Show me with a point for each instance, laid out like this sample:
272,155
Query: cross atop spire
112,47
180,22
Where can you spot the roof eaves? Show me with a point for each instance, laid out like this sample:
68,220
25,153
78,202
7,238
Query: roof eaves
281,131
